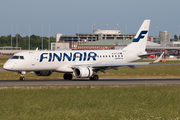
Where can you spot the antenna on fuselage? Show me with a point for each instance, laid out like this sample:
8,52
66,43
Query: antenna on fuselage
37,49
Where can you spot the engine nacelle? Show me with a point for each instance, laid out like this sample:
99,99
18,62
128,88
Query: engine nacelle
82,72
43,73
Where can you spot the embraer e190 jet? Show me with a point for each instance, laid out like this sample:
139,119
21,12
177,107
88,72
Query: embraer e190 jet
82,63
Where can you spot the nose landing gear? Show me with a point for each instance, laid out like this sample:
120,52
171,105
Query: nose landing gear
22,78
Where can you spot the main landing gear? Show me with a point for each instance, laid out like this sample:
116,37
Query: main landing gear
94,77
22,78
67,76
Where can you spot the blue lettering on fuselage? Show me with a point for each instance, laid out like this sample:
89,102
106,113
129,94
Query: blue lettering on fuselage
56,56
42,57
92,56
75,56
68,56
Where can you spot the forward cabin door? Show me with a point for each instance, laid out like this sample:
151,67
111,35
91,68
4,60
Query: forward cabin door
33,58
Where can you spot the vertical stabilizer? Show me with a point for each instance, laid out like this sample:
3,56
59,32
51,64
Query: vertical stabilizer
139,41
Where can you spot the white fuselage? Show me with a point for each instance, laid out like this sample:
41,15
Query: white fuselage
61,61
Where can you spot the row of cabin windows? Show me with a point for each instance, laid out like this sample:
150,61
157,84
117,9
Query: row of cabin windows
109,56
97,56
95,47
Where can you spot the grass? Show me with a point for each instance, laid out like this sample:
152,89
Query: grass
90,103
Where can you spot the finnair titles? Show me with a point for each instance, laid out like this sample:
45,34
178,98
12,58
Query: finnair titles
77,56
82,63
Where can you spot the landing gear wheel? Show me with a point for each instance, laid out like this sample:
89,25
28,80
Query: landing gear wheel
91,78
95,77
67,76
22,78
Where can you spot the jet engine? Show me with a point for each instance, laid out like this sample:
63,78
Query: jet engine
43,73
82,72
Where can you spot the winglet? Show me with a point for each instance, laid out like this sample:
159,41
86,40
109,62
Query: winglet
158,58
37,49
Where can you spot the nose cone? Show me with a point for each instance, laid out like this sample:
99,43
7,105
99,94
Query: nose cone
7,66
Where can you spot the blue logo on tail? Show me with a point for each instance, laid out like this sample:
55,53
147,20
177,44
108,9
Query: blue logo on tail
140,36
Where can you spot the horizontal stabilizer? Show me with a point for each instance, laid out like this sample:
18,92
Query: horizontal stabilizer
148,54
159,58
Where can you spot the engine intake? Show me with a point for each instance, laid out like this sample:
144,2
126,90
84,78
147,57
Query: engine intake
82,72
43,73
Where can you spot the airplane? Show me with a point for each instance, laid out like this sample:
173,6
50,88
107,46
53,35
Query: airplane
82,63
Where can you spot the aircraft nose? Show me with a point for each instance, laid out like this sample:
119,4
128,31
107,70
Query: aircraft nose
7,66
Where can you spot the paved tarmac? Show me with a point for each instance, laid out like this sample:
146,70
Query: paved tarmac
86,82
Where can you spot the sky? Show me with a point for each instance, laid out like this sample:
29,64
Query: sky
64,16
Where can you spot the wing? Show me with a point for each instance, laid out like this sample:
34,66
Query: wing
148,54
120,64
105,66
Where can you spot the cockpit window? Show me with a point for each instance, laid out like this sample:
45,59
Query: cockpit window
21,57
15,57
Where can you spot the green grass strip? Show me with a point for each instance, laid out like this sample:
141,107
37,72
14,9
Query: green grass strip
90,103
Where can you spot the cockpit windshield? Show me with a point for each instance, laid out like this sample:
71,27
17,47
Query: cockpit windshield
21,57
17,57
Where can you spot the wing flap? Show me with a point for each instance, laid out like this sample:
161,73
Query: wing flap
120,64
113,65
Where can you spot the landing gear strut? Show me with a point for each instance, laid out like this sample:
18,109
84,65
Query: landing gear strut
67,76
22,78
94,77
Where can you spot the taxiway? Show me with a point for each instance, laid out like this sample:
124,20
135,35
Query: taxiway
86,82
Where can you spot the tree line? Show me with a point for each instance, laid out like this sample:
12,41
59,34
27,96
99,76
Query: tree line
23,42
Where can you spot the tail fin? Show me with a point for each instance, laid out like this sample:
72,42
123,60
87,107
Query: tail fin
139,41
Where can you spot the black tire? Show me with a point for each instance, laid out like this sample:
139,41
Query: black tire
65,76
22,78
69,76
91,78
95,77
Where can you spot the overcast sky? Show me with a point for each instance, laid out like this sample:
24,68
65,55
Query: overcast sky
64,16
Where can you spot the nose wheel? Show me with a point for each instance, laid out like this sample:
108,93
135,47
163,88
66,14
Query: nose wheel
22,78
